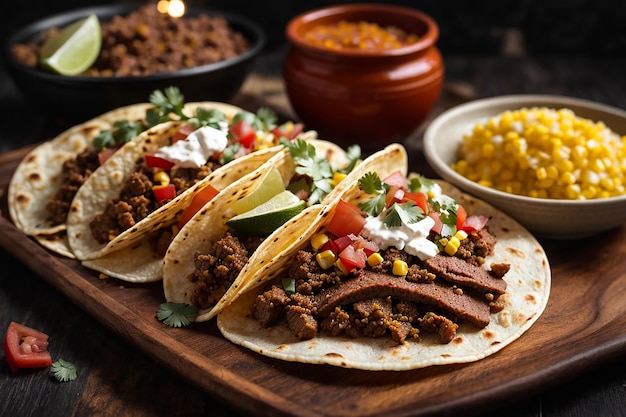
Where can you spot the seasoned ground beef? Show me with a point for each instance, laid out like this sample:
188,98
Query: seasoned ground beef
74,173
136,201
147,41
434,297
216,270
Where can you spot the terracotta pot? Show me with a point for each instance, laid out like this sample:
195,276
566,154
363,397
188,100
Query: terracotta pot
369,97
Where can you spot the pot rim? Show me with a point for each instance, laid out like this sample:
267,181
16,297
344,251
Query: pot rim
386,14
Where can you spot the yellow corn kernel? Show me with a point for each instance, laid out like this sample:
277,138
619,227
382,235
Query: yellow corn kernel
325,259
568,178
452,246
374,259
319,240
461,234
342,268
400,268
162,178
337,178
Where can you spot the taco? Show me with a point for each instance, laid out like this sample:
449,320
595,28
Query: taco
221,248
45,182
401,274
150,186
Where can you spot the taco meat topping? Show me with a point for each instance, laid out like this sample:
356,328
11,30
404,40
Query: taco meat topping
74,173
435,295
216,270
137,199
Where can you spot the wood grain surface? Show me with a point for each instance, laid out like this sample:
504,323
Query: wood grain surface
581,327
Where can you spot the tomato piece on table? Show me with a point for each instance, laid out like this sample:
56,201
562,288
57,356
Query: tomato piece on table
157,162
243,133
197,202
164,192
347,219
25,347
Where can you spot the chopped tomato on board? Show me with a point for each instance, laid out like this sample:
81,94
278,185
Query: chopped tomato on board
347,219
197,202
25,347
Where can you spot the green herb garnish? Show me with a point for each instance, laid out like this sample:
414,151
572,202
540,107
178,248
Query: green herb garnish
310,164
177,314
399,213
63,371
371,183
289,285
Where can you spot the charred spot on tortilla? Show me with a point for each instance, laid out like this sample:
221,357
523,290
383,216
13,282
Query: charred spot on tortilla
35,176
21,198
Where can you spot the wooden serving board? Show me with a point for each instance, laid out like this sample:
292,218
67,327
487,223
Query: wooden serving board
584,324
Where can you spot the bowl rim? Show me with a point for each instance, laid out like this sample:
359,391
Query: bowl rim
426,40
437,163
254,34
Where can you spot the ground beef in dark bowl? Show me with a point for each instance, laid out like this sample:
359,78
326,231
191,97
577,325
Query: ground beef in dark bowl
214,71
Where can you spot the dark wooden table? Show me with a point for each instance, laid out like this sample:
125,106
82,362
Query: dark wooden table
115,378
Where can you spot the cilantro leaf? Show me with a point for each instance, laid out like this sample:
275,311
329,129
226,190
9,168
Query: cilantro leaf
371,183
309,164
208,117
353,153
421,184
400,213
63,371
177,314
373,206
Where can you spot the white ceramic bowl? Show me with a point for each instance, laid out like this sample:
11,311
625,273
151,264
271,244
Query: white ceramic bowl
549,218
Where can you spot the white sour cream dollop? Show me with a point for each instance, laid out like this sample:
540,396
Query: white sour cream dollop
195,150
412,238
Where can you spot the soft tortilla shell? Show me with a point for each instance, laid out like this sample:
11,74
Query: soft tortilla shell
268,261
527,295
38,176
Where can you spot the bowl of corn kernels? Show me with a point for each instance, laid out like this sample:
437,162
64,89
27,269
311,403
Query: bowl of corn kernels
556,164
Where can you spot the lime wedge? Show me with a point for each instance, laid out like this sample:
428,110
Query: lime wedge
74,49
269,216
270,185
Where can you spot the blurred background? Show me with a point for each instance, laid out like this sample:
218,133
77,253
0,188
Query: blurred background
591,27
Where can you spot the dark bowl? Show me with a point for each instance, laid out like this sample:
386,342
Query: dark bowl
77,98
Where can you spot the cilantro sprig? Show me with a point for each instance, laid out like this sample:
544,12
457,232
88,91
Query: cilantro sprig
316,168
63,371
177,314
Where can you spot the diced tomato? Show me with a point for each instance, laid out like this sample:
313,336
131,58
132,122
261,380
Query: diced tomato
347,219
353,258
106,154
461,215
396,178
197,202
419,199
473,223
394,195
438,227
158,162
288,130
25,347
164,192
367,245
343,242
243,133
184,131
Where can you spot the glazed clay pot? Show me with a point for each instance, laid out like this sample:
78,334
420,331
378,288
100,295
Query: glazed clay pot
367,97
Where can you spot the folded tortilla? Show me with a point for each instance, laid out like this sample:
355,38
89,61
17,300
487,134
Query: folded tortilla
209,225
528,289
